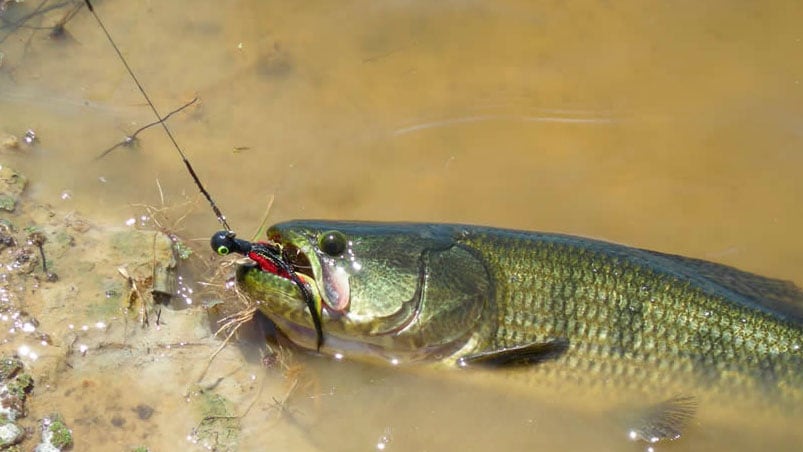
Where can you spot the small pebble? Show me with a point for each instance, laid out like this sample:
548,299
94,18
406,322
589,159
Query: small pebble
10,142
10,434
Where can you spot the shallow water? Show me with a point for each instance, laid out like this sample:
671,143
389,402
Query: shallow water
674,127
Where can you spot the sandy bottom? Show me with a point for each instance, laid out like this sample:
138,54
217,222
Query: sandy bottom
674,127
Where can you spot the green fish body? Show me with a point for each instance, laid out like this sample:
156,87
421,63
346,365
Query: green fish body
560,312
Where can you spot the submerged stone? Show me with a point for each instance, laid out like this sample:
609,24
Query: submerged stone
9,368
55,434
12,185
8,141
10,434
14,389
21,385
219,427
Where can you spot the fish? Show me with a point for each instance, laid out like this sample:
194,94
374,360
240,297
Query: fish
566,315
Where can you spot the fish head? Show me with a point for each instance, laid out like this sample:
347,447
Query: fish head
393,291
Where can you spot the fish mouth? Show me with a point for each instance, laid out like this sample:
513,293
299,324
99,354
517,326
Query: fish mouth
285,286
298,260
332,286
328,279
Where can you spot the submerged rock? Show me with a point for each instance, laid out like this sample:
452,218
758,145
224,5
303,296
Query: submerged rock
9,368
55,435
12,184
14,389
10,434
150,257
8,141
219,426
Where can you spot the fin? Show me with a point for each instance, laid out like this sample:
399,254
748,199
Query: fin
663,421
523,355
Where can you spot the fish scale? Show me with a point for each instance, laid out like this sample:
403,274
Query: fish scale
601,298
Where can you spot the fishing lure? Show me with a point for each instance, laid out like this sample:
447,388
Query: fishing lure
268,256
271,258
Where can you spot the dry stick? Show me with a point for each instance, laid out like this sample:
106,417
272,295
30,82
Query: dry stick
281,406
38,239
50,276
129,140
161,192
58,29
14,25
254,400
41,247
263,224
39,10
153,284
134,293
240,318
20,23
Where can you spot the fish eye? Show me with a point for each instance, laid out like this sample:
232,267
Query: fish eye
333,243
223,250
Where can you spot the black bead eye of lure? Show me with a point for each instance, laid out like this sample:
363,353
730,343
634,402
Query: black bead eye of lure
221,242
225,242
333,243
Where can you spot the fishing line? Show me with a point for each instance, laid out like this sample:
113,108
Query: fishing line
224,241
220,217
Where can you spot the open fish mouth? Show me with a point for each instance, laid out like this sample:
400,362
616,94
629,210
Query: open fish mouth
328,274
297,260
288,293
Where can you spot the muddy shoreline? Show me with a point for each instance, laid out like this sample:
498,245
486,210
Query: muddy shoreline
122,362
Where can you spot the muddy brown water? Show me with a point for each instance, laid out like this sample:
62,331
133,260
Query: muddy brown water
675,126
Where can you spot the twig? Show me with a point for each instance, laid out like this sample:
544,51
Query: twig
161,192
263,224
130,139
238,319
58,29
19,23
134,294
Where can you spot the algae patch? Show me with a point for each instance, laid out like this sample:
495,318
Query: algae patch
219,426
9,367
15,385
55,435
12,184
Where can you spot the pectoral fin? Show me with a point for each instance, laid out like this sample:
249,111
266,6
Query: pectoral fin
664,420
524,355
